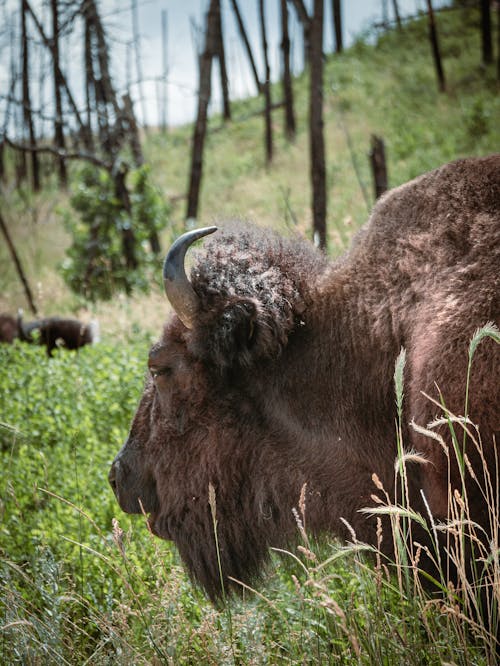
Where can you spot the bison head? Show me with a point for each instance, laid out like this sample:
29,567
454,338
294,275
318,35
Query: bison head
200,421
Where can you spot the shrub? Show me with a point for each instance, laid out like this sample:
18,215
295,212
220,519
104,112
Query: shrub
97,264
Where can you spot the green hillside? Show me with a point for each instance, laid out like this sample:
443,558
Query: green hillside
385,85
389,89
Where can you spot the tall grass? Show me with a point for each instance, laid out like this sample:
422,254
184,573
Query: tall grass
101,593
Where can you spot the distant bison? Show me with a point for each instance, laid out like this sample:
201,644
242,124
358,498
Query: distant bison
275,375
58,332
9,330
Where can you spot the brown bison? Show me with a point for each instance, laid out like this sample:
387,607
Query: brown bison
275,375
54,332
9,329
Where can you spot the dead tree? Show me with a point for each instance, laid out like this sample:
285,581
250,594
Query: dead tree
498,41
244,37
27,114
266,86
397,16
290,126
7,113
18,265
135,144
83,130
116,122
106,103
317,142
204,93
378,165
433,36
337,25
221,57
486,37
138,63
385,14
2,160
58,121
119,174
90,102
305,22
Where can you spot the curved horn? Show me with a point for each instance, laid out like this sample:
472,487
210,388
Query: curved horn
178,289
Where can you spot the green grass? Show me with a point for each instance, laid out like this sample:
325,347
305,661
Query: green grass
77,587
80,582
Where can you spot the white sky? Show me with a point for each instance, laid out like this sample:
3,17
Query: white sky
358,15
182,74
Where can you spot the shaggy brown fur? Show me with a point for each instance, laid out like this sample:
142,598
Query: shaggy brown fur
286,378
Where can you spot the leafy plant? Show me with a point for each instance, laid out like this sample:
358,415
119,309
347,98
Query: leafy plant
97,265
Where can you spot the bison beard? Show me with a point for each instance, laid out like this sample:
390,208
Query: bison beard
275,375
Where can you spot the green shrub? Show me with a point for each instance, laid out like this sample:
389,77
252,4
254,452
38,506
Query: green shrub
96,266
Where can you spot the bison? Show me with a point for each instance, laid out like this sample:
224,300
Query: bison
9,330
274,376
58,332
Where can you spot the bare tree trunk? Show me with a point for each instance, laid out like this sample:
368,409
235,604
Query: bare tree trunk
290,126
219,51
58,121
200,127
136,148
132,130
74,108
396,14
306,27
498,41
6,120
18,265
267,85
109,114
138,63
486,37
385,14
119,174
317,143
435,48
164,59
27,116
3,173
337,25
378,164
244,37
90,101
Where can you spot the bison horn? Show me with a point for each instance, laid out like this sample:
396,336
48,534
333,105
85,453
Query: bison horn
179,290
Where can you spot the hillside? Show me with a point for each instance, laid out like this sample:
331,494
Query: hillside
383,85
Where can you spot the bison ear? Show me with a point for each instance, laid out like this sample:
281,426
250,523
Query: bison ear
228,338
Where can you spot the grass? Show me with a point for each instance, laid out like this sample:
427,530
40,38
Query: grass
78,586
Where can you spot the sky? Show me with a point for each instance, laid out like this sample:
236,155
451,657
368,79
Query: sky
185,22
182,74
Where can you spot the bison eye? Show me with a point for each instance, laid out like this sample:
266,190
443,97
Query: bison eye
156,372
